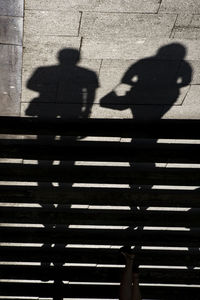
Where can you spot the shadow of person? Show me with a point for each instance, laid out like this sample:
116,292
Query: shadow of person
63,84
153,85
156,82
66,91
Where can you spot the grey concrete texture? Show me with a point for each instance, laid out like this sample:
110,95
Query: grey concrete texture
11,35
54,23
105,25
183,19
10,82
179,6
111,71
138,6
186,33
136,48
116,40
187,28
12,8
43,50
11,30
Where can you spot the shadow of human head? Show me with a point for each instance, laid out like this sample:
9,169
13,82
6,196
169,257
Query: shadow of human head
68,56
172,51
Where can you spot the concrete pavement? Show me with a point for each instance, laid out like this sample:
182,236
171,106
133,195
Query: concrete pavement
111,36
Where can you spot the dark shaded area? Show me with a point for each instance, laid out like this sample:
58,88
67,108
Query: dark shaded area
54,257
65,83
157,80
154,80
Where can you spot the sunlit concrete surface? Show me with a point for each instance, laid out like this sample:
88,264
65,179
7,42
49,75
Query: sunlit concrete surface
11,35
111,38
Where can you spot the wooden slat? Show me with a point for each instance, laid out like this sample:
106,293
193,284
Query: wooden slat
94,174
134,217
101,237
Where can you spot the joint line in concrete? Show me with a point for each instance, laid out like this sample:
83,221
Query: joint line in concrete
80,20
170,36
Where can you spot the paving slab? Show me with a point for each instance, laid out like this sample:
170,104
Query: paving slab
195,65
169,6
113,36
195,22
111,73
149,6
183,112
57,23
136,48
11,30
10,80
11,8
43,50
190,33
101,25
183,19
193,96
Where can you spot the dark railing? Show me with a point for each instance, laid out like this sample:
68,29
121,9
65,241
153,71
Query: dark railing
57,187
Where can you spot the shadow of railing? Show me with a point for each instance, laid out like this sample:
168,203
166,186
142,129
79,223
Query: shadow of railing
61,239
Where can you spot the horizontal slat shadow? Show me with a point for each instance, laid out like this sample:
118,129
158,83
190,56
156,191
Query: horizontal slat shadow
133,217
101,236
60,253
100,196
97,274
100,151
104,292
100,174
175,129
53,243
